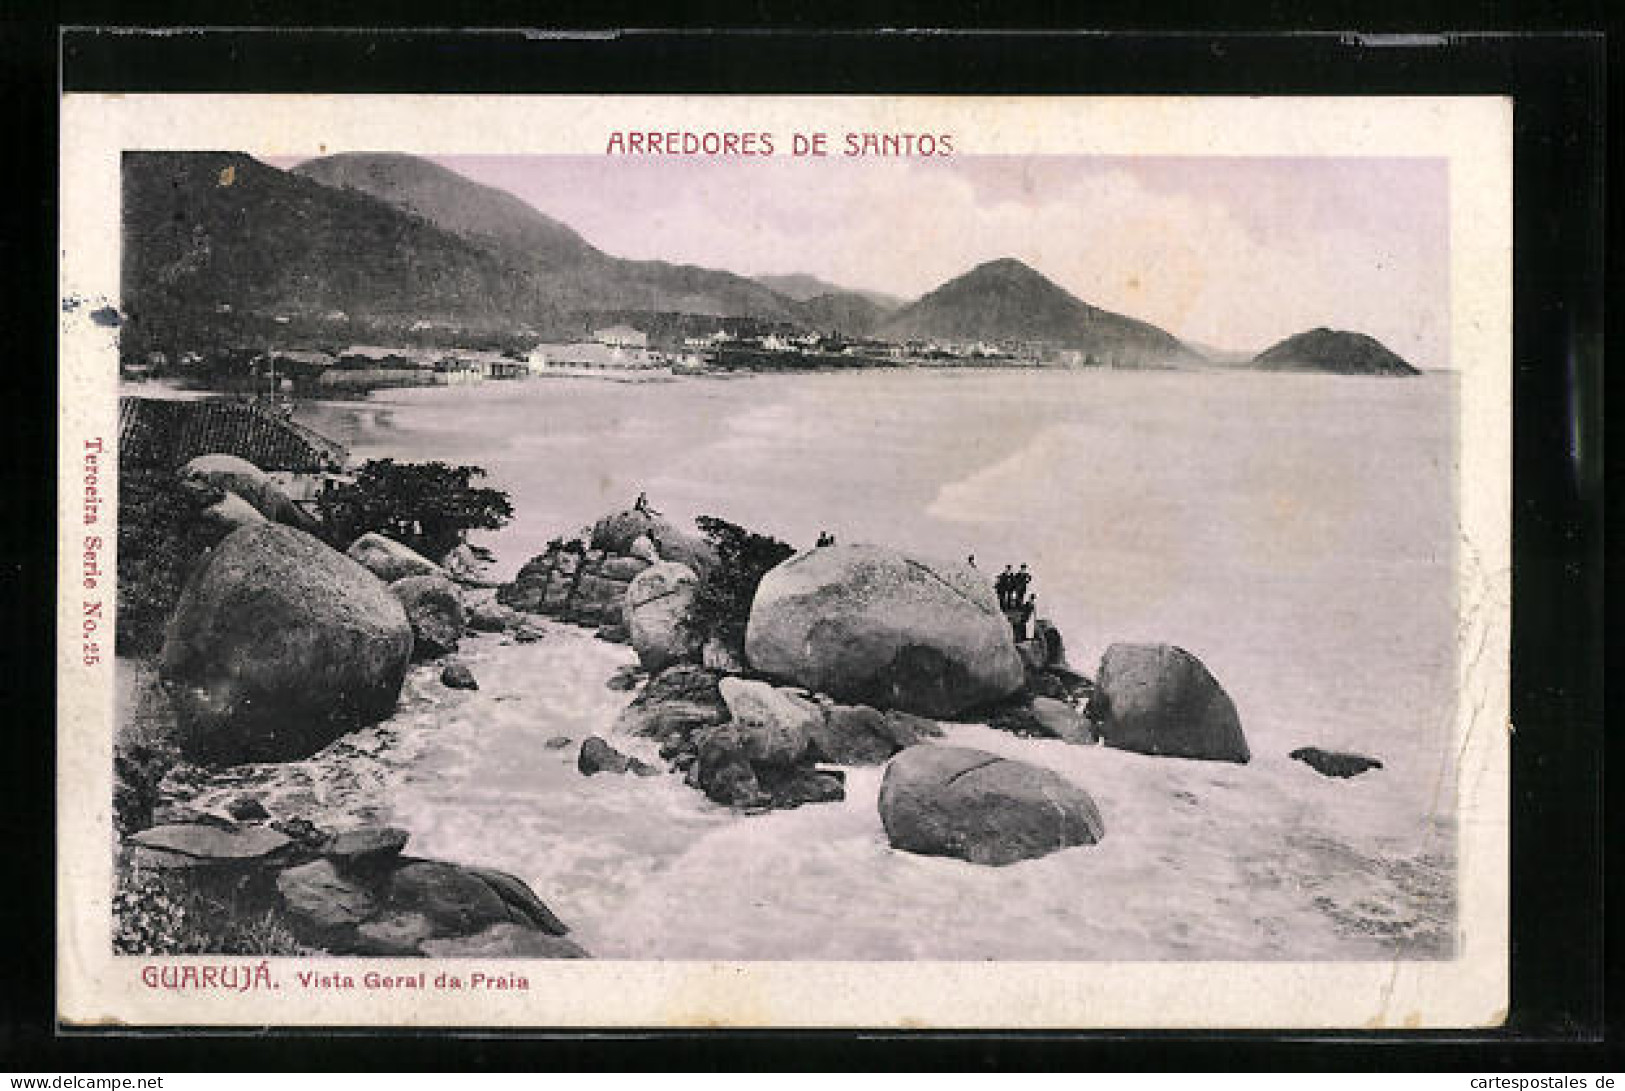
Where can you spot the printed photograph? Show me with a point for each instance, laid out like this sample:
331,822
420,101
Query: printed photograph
894,556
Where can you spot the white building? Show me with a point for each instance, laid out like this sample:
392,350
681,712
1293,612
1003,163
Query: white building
621,337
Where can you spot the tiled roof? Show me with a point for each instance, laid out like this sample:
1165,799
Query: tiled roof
166,433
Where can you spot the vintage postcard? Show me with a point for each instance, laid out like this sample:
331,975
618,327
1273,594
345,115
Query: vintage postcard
784,562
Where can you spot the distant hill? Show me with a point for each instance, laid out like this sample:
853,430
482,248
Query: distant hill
1340,352
1005,300
849,313
803,287
450,201
573,274
212,236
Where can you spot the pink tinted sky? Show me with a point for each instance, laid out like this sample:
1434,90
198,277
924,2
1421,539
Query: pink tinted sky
1232,253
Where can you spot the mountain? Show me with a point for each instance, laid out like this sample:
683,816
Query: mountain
1341,352
570,272
849,313
1005,300
803,287
445,198
213,237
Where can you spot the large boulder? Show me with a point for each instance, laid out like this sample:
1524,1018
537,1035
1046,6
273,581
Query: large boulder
1159,699
868,624
656,612
977,806
619,533
242,477
434,606
278,646
389,560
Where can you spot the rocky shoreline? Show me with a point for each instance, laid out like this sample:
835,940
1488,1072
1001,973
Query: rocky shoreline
843,656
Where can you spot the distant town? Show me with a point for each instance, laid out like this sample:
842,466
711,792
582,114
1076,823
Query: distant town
621,352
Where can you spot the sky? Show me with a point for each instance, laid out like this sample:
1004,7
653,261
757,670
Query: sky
1232,253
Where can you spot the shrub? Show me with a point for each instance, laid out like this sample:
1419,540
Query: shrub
425,505
721,605
160,539
162,913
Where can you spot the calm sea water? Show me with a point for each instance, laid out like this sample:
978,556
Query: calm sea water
1295,532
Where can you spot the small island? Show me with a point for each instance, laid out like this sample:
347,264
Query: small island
1337,352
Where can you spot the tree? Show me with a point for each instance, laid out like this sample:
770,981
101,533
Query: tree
425,505
721,606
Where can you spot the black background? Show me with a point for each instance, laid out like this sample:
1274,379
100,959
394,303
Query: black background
1560,966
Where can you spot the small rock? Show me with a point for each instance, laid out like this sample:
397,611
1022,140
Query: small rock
456,675
679,700
855,735
212,843
247,809
527,633
159,860
434,606
597,756
909,729
777,724
625,678
1332,763
389,560
366,843
558,742
491,617
302,831
1061,721
807,786
718,656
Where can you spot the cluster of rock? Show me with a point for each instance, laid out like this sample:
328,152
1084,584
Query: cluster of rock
354,892
586,581
749,744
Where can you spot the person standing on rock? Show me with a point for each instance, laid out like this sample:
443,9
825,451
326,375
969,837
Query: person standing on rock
1002,584
1024,616
971,560
1018,586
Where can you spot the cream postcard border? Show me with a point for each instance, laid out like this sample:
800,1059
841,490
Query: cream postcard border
95,987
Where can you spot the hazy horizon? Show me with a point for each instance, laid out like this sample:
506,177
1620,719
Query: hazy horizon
1231,253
